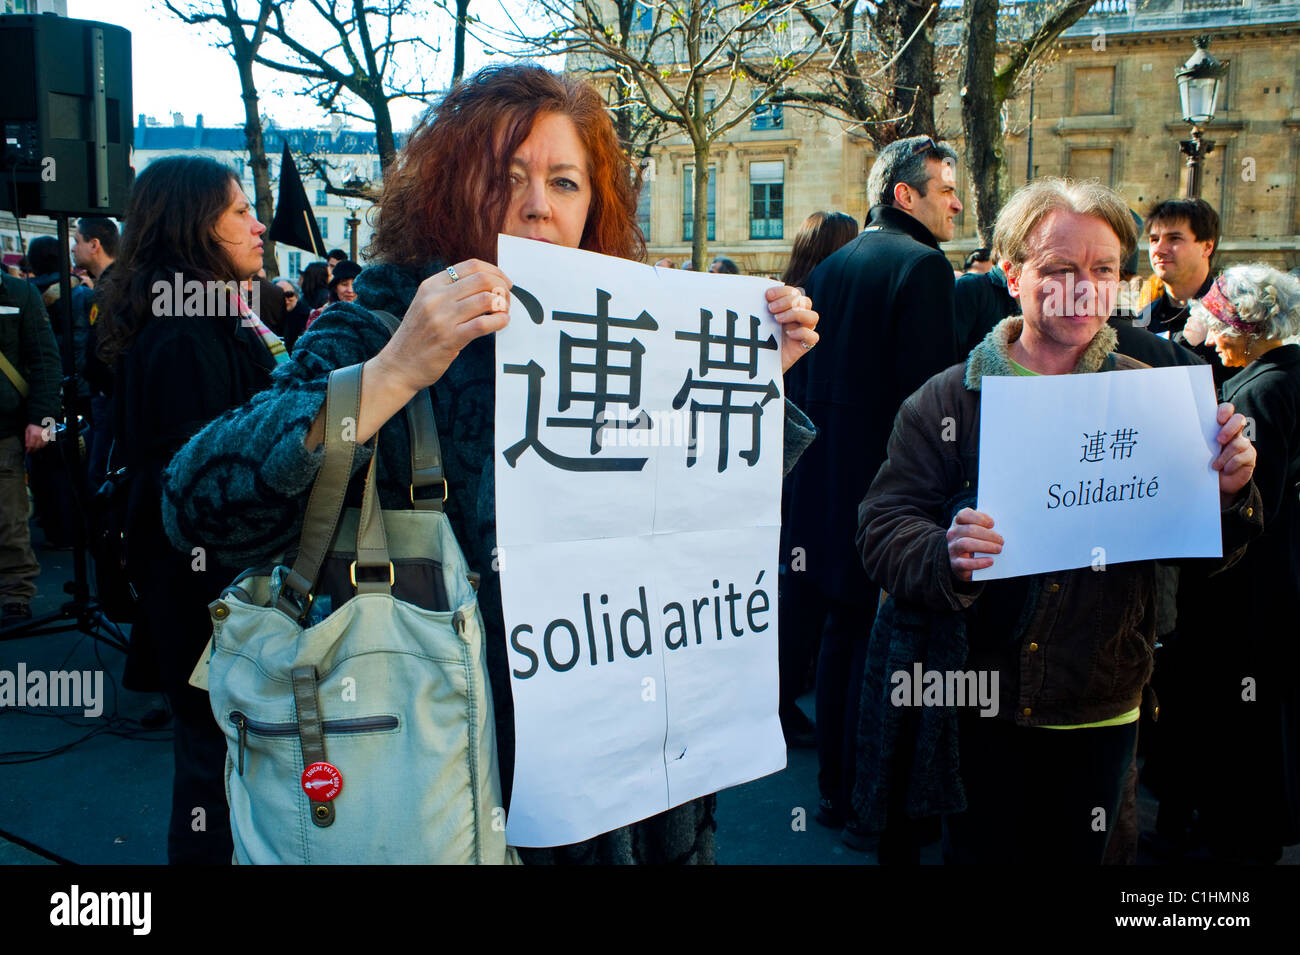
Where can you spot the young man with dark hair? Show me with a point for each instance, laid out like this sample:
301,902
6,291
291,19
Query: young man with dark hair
94,249
333,258
94,246
1184,235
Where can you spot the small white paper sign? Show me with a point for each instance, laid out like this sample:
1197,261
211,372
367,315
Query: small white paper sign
1091,470
639,443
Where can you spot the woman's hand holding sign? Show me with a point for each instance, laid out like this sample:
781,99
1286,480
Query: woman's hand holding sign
794,311
1236,462
971,532
451,308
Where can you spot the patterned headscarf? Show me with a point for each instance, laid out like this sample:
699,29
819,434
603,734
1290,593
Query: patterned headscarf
1215,301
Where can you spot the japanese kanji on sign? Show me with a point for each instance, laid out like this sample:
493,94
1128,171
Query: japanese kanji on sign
639,427
1120,469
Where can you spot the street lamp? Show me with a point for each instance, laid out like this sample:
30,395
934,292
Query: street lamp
1198,89
353,222
356,183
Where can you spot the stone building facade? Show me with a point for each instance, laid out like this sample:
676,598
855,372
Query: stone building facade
1105,105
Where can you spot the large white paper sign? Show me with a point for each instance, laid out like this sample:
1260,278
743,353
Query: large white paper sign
639,442
1090,470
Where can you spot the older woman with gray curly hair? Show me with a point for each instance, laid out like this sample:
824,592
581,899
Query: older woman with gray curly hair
1242,696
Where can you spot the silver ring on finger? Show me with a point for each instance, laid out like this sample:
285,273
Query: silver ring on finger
451,272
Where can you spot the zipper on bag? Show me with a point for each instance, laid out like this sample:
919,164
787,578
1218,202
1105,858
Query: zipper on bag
361,724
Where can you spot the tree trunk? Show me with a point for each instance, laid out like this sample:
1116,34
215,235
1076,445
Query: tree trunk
700,227
385,142
458,62
243,51
623,118
914,80
981,115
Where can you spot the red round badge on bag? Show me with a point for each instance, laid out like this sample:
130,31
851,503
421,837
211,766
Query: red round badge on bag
321,781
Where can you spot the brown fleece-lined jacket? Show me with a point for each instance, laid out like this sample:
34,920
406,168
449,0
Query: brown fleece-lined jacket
1073,646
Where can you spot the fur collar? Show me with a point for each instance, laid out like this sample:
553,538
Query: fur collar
992,355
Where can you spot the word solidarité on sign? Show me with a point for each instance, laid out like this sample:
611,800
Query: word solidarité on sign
1134,489
563,645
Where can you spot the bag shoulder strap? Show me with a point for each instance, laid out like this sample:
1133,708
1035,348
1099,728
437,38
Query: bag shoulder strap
328,492
426,451
12,374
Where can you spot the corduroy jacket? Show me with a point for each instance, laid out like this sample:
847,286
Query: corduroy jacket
1070,647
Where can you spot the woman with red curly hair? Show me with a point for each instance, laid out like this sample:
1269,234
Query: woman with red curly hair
516,150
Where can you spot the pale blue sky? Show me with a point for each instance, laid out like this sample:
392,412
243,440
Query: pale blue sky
177,69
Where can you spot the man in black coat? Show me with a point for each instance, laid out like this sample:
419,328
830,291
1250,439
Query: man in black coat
886,303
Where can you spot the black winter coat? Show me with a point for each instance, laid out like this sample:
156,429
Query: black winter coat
178,375
886,306
1151,349
1247,626
980,301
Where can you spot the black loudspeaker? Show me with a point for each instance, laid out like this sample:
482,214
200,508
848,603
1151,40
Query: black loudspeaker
65,114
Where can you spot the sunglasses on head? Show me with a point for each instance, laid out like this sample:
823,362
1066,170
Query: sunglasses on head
923,145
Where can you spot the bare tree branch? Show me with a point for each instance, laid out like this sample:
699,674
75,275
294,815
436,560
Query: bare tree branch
243,50
359,64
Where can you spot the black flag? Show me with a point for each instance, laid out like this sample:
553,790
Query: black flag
295,223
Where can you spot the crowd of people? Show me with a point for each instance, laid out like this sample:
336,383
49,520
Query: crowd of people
219,422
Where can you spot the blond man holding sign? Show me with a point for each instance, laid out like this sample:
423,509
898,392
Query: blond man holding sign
1069,651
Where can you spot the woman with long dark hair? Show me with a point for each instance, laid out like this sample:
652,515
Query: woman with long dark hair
516,150
315,280
340,287
821,234
185,349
